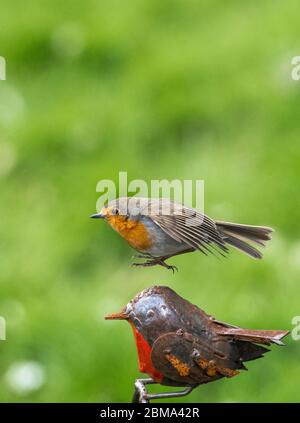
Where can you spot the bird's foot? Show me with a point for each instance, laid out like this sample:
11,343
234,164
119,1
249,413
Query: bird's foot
168,266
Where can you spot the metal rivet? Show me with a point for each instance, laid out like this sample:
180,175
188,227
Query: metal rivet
150,313
195,353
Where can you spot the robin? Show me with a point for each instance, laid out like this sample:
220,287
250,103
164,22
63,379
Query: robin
179,344
160,228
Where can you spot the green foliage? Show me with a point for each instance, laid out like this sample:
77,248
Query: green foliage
161,89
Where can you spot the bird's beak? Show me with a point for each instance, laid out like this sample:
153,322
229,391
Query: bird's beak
117,316
97,216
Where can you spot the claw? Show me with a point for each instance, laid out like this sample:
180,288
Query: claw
173,268
168,266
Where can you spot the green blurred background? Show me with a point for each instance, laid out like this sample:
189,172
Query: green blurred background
160,89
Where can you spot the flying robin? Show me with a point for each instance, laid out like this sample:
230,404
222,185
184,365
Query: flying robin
160,228
179,344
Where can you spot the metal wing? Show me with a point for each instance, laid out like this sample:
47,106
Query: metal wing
187,360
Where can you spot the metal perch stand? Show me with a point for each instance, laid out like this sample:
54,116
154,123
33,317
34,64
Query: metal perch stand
141,395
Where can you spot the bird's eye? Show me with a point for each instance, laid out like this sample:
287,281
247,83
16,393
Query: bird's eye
117,211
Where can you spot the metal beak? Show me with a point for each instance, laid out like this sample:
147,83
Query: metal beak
117,316
97,216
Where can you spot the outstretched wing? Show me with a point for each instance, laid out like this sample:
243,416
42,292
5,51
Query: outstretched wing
186,225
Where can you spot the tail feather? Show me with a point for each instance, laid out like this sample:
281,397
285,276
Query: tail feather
241,236
257,336
249,351
250,343
247,342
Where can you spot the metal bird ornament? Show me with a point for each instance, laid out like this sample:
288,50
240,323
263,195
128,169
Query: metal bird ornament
180,345
160,228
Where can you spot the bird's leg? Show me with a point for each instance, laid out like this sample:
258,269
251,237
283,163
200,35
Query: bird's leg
142,256
141,395
146,263
150,261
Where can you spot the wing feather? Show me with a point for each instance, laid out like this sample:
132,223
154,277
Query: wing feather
186,225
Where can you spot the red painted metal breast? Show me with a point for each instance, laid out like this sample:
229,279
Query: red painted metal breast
144,356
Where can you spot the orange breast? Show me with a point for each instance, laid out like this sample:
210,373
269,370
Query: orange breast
133,231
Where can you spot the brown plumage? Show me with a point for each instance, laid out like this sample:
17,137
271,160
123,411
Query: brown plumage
160,228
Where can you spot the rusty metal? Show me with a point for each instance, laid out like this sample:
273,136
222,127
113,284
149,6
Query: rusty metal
180,345
116,316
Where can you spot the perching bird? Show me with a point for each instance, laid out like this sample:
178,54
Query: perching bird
178,344
160,228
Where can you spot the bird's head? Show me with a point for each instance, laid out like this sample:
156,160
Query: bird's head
125,207
116,207
150,312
